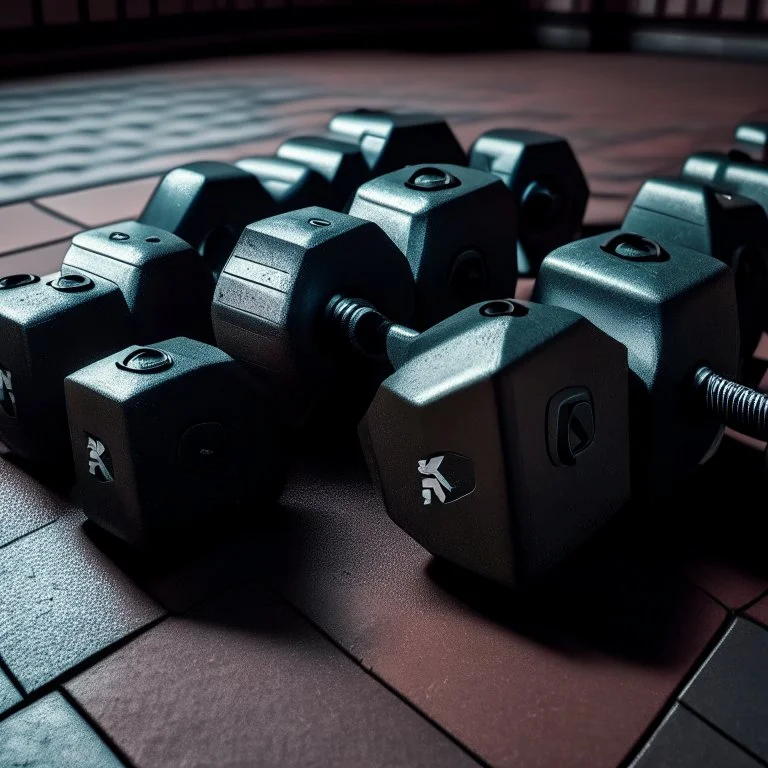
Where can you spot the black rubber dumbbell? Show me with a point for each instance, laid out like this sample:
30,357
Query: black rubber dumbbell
728,227
340,162
292,185
455,226
124,283
208,204
272,293
501,441
549,188
305,293
170,439
365,143
675,310
389,141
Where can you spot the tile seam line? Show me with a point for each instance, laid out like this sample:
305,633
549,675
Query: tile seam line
722,733
57,214
34,530
674,697
370,673
77,669
95,726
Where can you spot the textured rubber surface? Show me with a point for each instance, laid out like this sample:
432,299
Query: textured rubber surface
576,676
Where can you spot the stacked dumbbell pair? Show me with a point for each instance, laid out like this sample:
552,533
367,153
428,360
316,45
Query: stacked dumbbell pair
179,433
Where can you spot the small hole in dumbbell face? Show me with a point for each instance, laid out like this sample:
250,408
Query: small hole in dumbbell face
502,307
153,239
319,223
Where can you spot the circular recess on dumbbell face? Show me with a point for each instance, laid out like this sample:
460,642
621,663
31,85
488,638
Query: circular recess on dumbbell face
503,307
72,283
632,247
119,236
431,180
204,447
17,281
153,239
320,223
540,205
146,360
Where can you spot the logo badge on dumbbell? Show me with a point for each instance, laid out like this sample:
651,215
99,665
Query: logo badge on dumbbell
446,477
7,398
99,462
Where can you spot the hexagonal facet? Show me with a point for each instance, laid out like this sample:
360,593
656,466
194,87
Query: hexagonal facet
674,309
456,227
166,285
208,204
390,141
292,185
174,443
548,185
270,302
340,162
501,441
728,227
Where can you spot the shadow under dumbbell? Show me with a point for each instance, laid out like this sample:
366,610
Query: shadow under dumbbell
626,593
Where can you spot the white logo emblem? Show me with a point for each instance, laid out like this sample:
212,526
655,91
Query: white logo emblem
433,483
97,465
7,398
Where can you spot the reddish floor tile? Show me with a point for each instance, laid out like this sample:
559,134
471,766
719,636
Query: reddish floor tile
101,205
61,601
38,261
50,734
759,611
244,680
23,226
570,676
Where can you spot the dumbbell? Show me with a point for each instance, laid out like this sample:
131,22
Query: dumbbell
500,443
450,234
365,143
547,183
751,142
728,227
456,227
127,282
171,439
208,204
675,310
526,404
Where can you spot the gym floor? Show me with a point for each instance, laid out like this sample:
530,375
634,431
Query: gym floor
323,635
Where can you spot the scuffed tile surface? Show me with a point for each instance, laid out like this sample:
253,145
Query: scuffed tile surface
61,601
243,680
50,734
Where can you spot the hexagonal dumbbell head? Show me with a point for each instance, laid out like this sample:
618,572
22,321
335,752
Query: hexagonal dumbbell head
725,175
728,227
208,204
166,285
674,309
340,162
50,327
292,185
547,183
119,284
752,141
169,439
390,141
456,227
500,443
271,298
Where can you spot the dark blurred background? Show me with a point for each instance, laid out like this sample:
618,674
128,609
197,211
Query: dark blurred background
55,35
